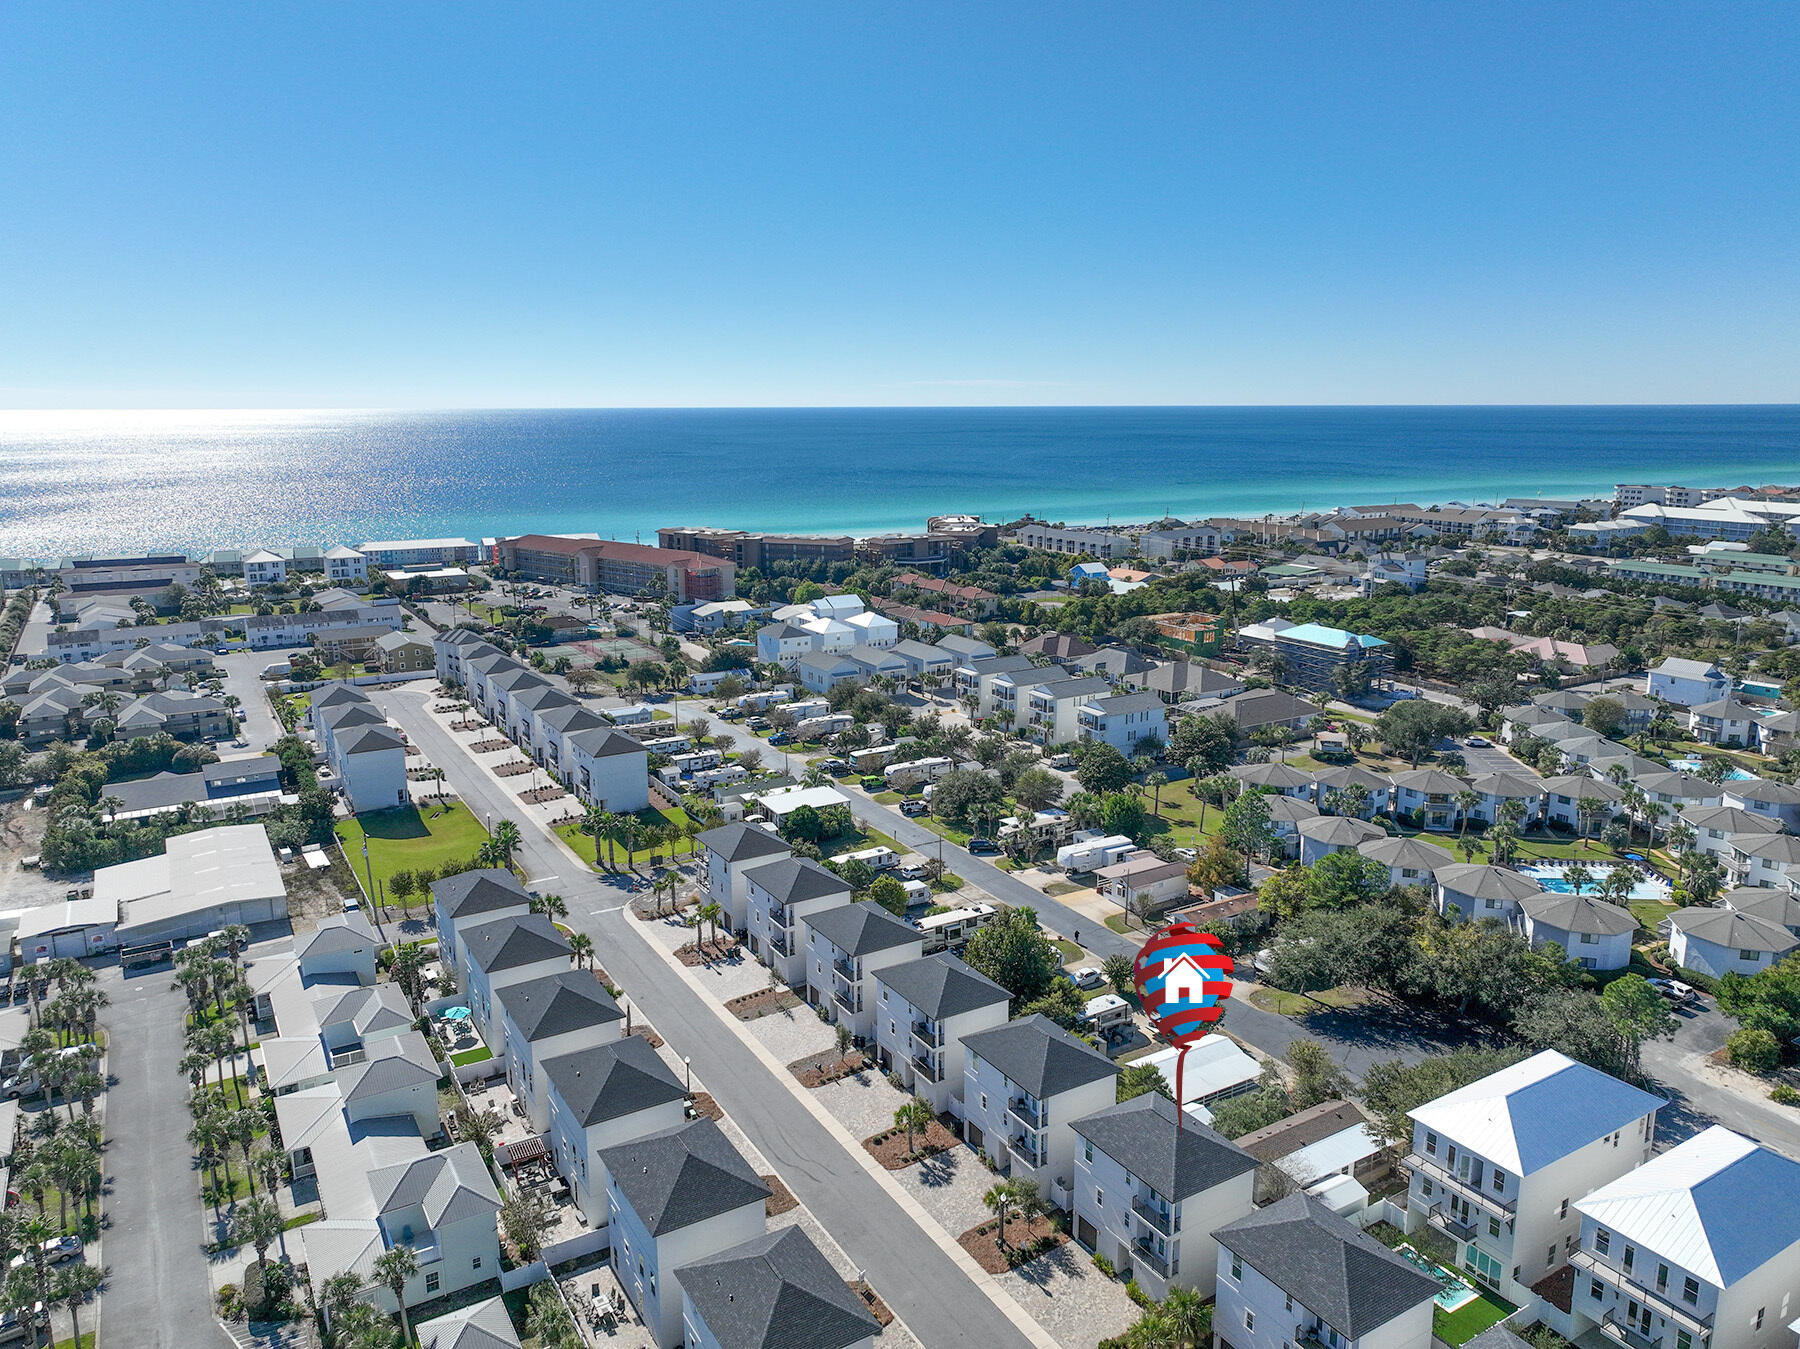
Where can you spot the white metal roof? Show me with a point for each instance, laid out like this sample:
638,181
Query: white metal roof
1214,1065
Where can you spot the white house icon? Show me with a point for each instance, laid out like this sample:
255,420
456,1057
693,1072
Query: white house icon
1183,980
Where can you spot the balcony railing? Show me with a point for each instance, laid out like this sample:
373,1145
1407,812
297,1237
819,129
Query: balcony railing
1143,1254
928,1034
1027,1151
847,999
927,1067
1463,1229
780,945
1620,1333
844,968
1437,1171
1678,1312
1031,1114
1162,1222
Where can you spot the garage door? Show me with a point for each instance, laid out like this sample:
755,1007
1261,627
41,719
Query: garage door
69,943
1085,1233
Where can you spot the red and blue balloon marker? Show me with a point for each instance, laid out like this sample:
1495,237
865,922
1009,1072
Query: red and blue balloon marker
1183,978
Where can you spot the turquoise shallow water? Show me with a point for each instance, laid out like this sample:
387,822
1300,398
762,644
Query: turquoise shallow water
84,481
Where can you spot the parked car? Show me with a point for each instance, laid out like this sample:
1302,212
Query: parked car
781,738
874,783
1478,742
983,845
13,1330
1675,991
1089,977
57,1250
913,806
758,724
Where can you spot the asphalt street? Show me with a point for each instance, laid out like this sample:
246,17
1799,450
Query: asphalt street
924,1286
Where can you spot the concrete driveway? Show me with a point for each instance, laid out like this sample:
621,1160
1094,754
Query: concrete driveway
158,1293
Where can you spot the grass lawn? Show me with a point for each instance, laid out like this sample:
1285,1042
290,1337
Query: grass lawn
1300,1004
583,843
407,838
1070,951
479,1054
960,837
887,798
87,1341
1649,912
1469,1320
1117,922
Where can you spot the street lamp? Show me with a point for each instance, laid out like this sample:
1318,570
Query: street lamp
689,1065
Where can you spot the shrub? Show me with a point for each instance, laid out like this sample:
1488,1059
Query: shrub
1755,1051
1138,1295
1104,1265
1785,1095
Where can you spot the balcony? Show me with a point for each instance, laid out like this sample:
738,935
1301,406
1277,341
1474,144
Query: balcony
847,999
1431,1167
781,944
1689,1318
927,1067
1028,1151
1146,1255
927,1034
1446,1221
844,968
1620,1333
1028,1112
1150,1217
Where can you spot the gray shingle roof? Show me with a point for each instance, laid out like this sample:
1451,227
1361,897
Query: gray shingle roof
738,842
1174,1156
604,742
450,1186
569,1000
1040,1056
475,892
1730,928
1580,913
797,878
775,1291
862,929
611,1080
682,1176
519,939
942,986
1339,1273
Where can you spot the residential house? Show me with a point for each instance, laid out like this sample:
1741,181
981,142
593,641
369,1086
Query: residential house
1496,1165
502,952
923,660
1762,859
1326,834
598,1097
1142,883
1314,656
731,851
1717,942
1725,722
871,663
1593,933
1124,720
482,1325
1296,1274
1496,789
976,677
1687,682
822,672
470,898
1152,1186
963,648
778,894
367,757
1715,826
1778,801
401,652
1410,861
345,566
443,1206
1700,1246
773,1291
1564,794
1320,1143
1429,796
1269,707
542,1018
1182,681
845,945
1473,892
1024,1086
1335,790
673,1198
923,1009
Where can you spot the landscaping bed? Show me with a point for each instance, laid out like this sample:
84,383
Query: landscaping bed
538,795
763,1002
889,1146
651,1038
704,953
707,1108
490,746
781,1199
517,768
818,1070
1024,1243
872,1300
467,725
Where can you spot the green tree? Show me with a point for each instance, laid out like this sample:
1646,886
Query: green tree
890,893
1603,715
257,1223
1204,745
1122,814
1394,1087
75,1286
913,1115
1245,825
1102,769
1137,1078
1638,1013
1015,953
392,1268
1035,789
1120,973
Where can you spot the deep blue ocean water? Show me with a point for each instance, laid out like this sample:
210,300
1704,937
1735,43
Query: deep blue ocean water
128,481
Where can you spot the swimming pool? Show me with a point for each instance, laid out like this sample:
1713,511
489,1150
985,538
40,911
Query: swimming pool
1693,766
1453,1290
1550,877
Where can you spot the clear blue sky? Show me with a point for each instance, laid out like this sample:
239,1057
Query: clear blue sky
413,205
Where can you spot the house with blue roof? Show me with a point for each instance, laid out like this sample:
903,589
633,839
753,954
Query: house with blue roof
1311,654
1698,1249
1497,1165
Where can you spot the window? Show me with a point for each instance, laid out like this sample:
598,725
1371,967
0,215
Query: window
1683,1340
1569,1243
1289,1302
1690,1291
1751,956
1499,1179
1237,1268
1759,1317
1550,1255
1589,939
983,1098
1662,1277
1430,1144
1602,1238
1249,1319
431,1282
1099,1198
1493,1226
1630,1256
1087,1152
1425,1188
1563,1211
1596,1290
475,1263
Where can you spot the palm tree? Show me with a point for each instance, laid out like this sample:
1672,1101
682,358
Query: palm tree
498,851
1187,1319
581,949
34,1234
337,1295
256,1223
554,907
912,1115
709,914
1156,781
1578,877
76,1284
210,1141
408,971
601,825
394,1267
1466,801
1587,808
